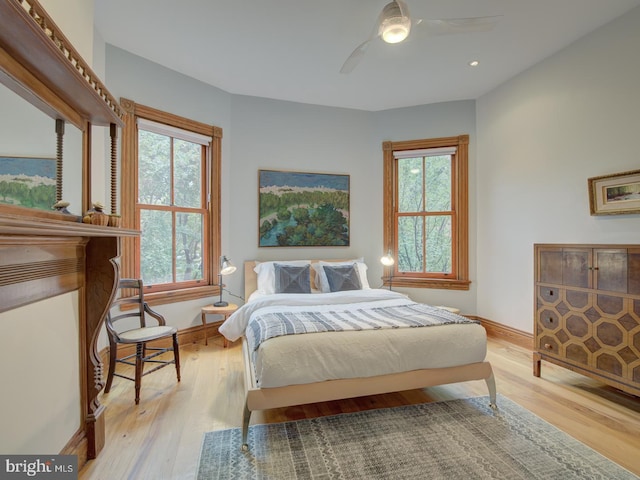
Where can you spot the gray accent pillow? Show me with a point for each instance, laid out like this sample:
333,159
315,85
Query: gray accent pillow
292,279
342,277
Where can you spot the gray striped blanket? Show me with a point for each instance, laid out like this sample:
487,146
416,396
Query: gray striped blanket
264,326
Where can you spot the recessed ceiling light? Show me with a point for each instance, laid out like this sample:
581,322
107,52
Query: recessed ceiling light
474,63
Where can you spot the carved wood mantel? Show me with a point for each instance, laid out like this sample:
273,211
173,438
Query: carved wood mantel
44,254
42,258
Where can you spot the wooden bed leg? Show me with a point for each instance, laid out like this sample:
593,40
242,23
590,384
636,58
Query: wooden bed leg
491,385
246,417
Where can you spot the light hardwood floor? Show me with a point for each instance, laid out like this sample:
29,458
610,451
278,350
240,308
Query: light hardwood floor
160,438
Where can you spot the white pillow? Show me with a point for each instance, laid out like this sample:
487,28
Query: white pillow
321,278
267,276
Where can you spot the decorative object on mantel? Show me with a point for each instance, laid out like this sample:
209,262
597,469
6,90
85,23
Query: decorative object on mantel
615,194
115,220
99,218
113,134
96,215
61,206
59,157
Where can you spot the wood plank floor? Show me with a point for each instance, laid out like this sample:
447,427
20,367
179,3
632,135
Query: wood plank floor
161,437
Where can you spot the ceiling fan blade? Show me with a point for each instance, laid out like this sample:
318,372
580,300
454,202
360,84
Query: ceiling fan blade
447,26
355,57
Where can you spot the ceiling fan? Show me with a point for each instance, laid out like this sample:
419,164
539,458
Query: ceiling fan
394,26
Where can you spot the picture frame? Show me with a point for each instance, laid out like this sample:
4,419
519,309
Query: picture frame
28,181
303,209
615,194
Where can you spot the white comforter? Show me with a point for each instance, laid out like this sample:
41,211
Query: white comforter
236,324
300,359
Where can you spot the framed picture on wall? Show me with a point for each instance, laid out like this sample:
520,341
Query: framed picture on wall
615,194
301,209
28,182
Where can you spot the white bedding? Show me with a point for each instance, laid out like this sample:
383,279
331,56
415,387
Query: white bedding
300,359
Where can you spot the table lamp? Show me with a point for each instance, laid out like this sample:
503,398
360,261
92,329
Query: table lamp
226,268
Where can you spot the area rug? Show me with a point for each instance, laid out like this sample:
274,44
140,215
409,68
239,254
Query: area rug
458,439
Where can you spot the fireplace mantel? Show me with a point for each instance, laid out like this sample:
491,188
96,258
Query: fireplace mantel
44,254
43,258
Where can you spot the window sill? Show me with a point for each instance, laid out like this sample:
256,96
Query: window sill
182,295
440,283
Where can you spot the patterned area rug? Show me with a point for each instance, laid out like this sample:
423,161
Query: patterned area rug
458,439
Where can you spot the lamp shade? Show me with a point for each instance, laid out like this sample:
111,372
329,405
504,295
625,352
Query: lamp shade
226,267
387,260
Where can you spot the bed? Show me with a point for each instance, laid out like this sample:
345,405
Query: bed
381,357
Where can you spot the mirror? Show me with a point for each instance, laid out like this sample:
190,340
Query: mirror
28,148
43,78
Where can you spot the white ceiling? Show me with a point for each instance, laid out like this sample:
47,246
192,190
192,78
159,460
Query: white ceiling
294,49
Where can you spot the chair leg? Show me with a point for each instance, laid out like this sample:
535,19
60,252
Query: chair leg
139,366
113,351
176,354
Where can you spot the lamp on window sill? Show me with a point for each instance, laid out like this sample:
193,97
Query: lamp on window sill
388,261
226,268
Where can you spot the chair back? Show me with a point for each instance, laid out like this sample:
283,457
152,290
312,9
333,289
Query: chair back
126,307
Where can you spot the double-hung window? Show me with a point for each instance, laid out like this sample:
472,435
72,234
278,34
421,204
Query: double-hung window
426,212
171,178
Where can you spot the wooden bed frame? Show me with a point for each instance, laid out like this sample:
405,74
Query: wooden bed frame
277,397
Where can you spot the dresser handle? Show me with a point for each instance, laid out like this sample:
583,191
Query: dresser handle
547,346
550,319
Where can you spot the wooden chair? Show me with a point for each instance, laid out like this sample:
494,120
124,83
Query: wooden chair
138,333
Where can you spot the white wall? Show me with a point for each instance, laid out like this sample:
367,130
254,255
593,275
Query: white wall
150,84
271,134
75,19
40,406
277,135
433,121
540,137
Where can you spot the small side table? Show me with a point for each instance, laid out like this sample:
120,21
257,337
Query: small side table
211,310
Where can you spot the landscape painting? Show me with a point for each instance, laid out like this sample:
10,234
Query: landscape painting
28,182
303,209
615,194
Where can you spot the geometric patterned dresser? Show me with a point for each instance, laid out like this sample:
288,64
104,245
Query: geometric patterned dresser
587,311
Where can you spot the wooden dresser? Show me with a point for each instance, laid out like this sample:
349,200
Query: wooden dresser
587,311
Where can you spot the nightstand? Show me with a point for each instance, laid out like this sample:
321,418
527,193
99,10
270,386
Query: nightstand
211,310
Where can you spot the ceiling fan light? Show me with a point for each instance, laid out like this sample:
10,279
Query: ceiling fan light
396,29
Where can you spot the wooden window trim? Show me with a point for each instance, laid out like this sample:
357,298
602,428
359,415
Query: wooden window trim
129,186
460,274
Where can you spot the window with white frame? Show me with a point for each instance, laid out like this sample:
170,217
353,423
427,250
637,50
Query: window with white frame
172,204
